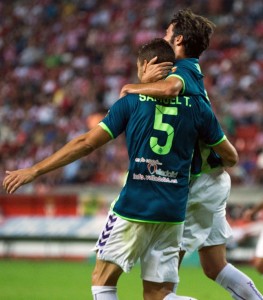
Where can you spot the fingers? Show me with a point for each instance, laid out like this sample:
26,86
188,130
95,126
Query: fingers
162,72
9,183
166,65
12,182
152,61
122,94
5,182
163,64
12,186
123,91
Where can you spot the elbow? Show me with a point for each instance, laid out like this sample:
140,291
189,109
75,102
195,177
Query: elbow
232,160
88,149
230,163
82,146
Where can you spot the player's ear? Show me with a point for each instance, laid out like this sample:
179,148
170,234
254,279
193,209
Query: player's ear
179,39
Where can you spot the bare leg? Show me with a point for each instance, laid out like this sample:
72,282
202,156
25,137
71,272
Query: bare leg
105,273
104,280
213,260
237,283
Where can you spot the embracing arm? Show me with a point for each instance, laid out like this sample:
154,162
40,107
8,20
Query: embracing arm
227,152
170,87
78,147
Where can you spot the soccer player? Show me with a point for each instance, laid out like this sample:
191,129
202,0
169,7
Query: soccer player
252,214
146,220
206,227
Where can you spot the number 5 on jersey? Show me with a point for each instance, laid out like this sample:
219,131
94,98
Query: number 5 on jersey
159,125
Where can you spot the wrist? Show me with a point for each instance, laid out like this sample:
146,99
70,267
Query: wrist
145,80
35,171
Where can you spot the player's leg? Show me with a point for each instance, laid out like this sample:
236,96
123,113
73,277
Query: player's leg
199,215
104,280
118,248
238,284
159,263
216,267
213,260
199,212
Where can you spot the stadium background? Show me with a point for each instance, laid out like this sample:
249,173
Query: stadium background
63,64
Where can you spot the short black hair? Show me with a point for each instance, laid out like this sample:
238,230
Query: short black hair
157,47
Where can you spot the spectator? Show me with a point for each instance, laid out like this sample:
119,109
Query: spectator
85,53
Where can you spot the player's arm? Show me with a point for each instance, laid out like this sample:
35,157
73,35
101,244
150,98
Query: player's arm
212,134
227,153
154,72
78,147
169,87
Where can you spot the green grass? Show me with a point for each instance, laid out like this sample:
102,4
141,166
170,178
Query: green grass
58,280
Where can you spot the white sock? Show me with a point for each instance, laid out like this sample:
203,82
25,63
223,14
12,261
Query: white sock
238,284
172,296
104,292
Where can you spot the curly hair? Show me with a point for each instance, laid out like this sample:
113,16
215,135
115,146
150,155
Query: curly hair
195,29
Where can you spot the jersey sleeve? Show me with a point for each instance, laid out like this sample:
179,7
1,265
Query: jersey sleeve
210,131
116,120
183,76
189,77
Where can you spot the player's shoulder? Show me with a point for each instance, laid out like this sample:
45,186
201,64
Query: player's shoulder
130,97
129,101
187,63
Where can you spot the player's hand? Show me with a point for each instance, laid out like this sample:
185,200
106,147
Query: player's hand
155,72
14,179
124,90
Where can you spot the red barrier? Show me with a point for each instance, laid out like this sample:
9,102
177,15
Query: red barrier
38,205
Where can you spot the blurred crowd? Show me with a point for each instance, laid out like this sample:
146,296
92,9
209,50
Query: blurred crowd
63,63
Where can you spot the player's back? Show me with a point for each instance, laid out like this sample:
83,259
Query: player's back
160,136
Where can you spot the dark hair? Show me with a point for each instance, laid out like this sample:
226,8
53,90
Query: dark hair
157,47
196,31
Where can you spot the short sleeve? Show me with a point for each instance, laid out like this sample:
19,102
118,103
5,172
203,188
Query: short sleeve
115,122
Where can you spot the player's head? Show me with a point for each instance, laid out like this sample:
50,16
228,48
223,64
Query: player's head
191,31
156,47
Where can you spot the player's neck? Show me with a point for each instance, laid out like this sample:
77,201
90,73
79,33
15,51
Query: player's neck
180,54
